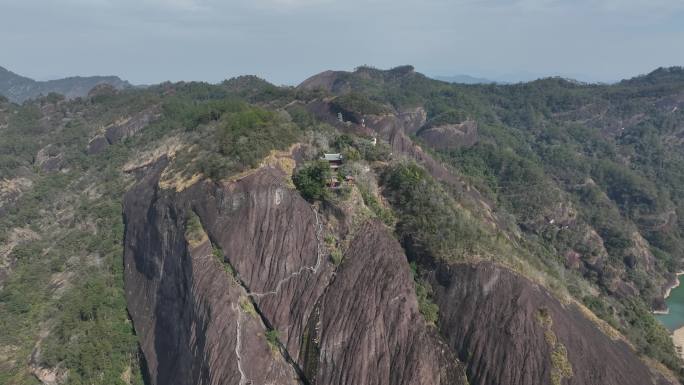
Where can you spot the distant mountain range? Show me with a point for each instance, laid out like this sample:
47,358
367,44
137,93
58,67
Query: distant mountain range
19,88
464,79
520,77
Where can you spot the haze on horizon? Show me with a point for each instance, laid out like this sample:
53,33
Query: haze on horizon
285,41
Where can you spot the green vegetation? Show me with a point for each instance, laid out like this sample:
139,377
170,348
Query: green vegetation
561,367
426,306
238,137
450,116
581,184
428,219
385,214
64,292
554,165
84,319
273,338
248,307
194,232
648,335
218,254
336,257
357,148
312,179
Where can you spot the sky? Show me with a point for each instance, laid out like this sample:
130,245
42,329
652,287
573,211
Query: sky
286,41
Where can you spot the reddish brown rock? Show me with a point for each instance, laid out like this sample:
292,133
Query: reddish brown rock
359,325
132,125
491,316
186,309
450,136
371,330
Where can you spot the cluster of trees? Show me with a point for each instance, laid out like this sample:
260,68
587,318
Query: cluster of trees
242,138
312,179
69,277
354,148
554,144
429,222
549,144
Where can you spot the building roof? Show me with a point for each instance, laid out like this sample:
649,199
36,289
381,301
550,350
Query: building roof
332,157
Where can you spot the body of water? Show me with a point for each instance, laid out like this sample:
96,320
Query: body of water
675,302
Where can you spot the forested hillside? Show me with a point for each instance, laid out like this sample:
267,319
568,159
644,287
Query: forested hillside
566,197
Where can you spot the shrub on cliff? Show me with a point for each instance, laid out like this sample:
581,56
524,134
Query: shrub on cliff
311,180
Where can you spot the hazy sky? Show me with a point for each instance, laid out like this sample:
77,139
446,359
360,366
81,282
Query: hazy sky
285,41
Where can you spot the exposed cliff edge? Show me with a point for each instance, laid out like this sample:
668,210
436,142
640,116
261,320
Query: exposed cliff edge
186,310
512,331
357,323
273,307
200,322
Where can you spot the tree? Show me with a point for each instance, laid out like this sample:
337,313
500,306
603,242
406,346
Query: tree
311,180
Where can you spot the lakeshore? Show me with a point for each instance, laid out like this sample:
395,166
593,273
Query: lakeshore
668,291
678,341
673,317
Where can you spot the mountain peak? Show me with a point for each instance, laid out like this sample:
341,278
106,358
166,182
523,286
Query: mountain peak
19,88
659,75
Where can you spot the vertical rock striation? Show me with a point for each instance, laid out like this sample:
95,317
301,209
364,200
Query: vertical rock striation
353,324
509,330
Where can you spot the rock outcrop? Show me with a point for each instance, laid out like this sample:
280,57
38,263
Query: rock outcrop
450,136
357,323
371,311
122,129
49,159
333,81
510,331
194,321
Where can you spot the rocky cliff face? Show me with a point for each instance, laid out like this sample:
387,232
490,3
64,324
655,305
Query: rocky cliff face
511,331
205,320
450,136
194,321
356,323
244,282
259,300
122,129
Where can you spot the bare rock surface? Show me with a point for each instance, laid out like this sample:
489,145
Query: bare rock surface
332,81
203,311
97,144
130,126
122,129
371,330
185,307
497,321
270,235
353,324
450,136
49,159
